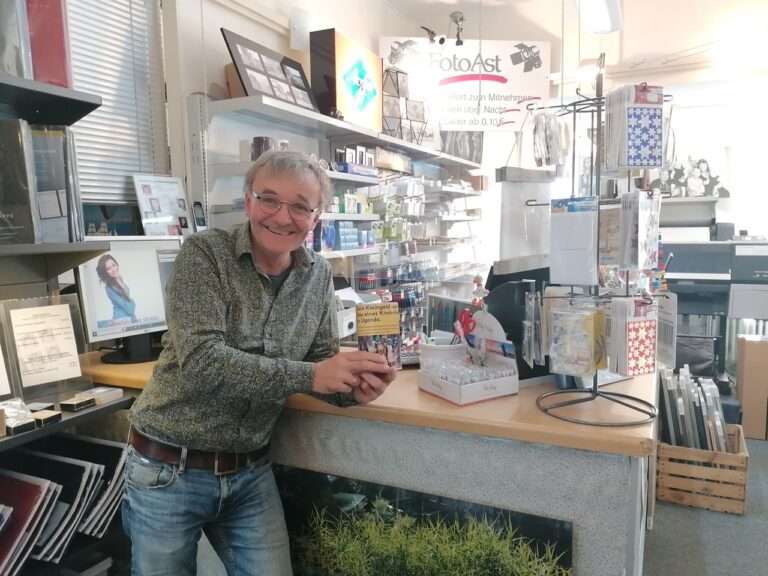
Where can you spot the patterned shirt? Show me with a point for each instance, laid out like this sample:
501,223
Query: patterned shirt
234,350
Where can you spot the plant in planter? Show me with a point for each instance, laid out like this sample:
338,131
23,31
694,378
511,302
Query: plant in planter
385,543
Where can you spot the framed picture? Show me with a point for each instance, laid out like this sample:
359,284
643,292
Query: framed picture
264,71
360,157
351,156
414,110
391,107
163,205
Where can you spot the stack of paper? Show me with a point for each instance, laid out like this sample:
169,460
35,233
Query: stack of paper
632,345
639,248
105,453
32,500
573,241
691,412
78,480
634,127
578,341
5,517
101,394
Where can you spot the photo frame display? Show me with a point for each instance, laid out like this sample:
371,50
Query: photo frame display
265,72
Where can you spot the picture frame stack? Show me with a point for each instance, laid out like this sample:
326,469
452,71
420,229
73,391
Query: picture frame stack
402,117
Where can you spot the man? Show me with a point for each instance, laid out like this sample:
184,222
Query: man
251,320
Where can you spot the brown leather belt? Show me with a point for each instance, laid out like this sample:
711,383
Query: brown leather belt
220,463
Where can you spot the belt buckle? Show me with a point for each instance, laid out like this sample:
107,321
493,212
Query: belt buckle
217,471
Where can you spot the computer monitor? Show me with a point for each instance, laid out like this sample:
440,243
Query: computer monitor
122,293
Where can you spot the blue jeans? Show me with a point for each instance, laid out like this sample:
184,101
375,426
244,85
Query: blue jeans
164,513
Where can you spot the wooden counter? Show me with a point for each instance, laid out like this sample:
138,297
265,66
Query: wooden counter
513,417
504,453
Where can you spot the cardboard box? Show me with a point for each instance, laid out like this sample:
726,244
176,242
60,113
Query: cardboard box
468,393
752,384
234,84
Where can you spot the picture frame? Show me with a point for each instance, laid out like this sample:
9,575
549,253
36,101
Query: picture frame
163,204
360,157
265,72
350,156
414,110
391,106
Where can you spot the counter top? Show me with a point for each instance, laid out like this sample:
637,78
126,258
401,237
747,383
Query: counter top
513,417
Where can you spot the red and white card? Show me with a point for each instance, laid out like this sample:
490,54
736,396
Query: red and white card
641,347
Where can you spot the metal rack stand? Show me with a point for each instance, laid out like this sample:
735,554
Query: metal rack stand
646,410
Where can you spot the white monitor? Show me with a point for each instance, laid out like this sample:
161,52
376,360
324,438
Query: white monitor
123,294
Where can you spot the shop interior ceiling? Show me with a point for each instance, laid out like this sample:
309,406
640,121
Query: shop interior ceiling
657,36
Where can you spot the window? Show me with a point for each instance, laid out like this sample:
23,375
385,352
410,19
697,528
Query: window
116,53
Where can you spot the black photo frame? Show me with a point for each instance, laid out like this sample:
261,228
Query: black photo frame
264,71
391,106
415,110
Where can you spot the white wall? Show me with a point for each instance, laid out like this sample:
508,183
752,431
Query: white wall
196,53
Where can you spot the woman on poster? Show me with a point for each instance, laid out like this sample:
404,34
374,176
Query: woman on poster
118,293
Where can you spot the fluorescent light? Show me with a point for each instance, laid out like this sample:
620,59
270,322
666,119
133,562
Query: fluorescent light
599,16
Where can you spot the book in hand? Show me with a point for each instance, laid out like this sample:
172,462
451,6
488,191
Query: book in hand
378,330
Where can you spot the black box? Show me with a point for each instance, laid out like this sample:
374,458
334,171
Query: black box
19,427
38,406
76,404
45,417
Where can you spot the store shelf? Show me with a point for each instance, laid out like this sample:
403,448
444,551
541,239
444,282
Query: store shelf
458,218
40,103
294,118
298,120
350,253
67,419
22,263
239,169
356,217
353,179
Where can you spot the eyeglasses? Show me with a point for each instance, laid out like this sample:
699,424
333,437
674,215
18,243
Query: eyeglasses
271,205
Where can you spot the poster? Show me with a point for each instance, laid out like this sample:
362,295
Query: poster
469,88
163,205
45,344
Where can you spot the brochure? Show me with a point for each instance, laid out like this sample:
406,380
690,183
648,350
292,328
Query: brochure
378,330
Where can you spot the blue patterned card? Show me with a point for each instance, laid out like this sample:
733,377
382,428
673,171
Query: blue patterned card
644,137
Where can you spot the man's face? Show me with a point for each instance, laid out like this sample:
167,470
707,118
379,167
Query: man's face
276,235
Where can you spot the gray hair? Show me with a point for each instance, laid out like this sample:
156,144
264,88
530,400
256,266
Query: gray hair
290,162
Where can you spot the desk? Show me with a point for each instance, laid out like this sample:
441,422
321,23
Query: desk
503,453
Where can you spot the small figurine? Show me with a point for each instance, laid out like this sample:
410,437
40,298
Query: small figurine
479,292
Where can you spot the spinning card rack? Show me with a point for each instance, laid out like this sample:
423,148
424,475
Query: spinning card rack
646,411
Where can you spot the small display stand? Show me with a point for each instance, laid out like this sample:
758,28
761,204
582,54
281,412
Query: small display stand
44,344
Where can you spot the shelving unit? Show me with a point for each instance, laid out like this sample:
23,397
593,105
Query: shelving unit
68,419
40,103
31,270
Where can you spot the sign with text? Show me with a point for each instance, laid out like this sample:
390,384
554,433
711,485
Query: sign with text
476,86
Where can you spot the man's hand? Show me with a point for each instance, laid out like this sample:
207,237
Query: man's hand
342,372
372,386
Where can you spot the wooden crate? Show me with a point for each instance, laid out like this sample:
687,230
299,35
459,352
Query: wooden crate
704,479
